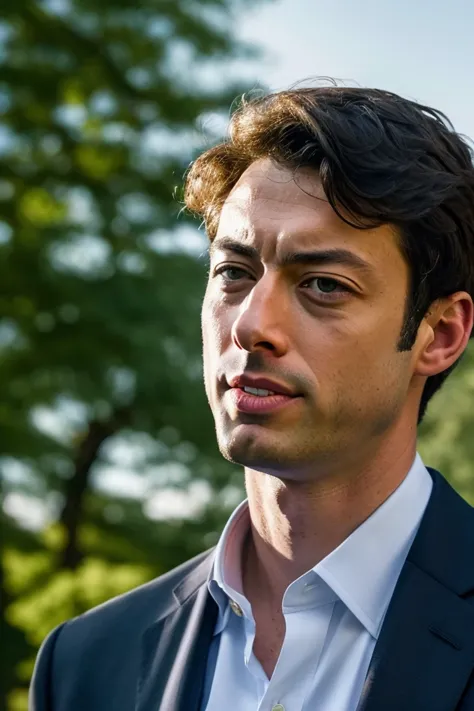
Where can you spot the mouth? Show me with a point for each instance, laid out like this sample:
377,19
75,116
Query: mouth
260,395
261,386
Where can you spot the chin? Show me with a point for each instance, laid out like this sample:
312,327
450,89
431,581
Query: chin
253,447
247,445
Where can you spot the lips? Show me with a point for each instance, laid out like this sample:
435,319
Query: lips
241,381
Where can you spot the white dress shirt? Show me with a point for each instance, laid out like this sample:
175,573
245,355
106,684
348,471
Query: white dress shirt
333,613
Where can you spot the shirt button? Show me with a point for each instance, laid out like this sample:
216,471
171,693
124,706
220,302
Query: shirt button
278,707
238,611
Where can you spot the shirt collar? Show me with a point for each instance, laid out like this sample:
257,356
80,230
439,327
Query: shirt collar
362,571
225,579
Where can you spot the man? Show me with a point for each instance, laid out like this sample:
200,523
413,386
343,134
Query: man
340,295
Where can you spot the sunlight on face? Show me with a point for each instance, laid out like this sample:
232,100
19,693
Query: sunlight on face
297,295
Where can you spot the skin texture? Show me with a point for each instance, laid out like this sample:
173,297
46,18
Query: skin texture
318,468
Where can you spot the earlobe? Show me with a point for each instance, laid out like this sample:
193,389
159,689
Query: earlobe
444,334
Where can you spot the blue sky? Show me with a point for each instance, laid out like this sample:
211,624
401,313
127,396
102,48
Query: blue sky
422,49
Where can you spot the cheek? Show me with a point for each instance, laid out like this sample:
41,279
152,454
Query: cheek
371,372
214,342
215,326
356,357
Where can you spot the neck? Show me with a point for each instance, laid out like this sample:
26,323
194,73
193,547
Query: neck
296,523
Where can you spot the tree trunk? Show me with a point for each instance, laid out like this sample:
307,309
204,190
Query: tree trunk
76,487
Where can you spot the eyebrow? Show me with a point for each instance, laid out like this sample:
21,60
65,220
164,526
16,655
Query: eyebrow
319,256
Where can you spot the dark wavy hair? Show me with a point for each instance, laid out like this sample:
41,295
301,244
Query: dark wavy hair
381,159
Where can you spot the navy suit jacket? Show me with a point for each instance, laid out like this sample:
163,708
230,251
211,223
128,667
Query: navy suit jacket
147,650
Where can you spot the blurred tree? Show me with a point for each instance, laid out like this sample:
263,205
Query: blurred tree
102,106
446,441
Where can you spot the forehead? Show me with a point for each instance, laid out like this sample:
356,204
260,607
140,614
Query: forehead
274,209
267,193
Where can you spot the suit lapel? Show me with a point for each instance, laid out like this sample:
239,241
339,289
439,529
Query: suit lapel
175,648
425,651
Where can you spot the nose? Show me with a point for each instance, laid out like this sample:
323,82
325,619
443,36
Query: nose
263,319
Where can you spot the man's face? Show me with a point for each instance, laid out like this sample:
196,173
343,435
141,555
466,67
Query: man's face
325,326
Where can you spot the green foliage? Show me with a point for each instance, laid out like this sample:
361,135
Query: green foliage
446,442
45,597
102,108
68,593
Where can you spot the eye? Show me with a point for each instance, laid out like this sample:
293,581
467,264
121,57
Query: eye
229,273
327,287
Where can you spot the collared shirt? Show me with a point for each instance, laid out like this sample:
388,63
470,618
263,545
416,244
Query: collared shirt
333,613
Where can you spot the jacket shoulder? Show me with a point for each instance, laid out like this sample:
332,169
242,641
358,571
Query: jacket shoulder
125,615
82,655
147,602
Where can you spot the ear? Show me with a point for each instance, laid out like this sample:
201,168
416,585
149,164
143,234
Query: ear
444,333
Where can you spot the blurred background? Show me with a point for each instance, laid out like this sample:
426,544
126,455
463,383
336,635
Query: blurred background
109,467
